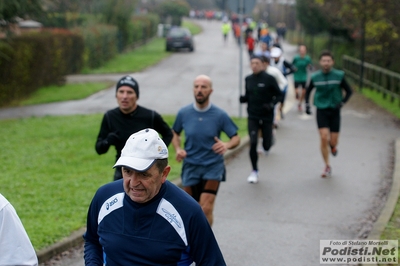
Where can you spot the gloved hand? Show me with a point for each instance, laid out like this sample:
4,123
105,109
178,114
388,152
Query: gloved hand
242,99
268,106
308,109
112,138
339,105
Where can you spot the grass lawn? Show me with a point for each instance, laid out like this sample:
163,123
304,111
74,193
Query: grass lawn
194,28
65,92
377,97
50,171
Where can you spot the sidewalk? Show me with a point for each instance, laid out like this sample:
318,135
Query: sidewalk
280,220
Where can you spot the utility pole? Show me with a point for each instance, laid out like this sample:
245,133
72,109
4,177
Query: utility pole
241,14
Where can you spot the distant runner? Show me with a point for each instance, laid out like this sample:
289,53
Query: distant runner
302,62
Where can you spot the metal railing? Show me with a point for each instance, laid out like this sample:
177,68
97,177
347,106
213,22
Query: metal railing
377,78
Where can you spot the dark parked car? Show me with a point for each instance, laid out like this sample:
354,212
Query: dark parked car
178,38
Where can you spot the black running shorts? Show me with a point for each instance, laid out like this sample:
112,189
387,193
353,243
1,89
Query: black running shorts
297,84
329,118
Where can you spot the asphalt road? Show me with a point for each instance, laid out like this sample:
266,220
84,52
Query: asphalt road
280,220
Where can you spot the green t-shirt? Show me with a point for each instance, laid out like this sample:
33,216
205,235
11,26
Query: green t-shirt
301,63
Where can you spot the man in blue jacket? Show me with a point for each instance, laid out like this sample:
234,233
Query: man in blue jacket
143,219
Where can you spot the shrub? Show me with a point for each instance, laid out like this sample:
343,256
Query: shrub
34,60
100,44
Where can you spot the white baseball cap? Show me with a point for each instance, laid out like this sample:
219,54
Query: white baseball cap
141,150
276,52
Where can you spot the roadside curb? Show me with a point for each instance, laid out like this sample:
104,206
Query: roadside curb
76,238
391,201
69,242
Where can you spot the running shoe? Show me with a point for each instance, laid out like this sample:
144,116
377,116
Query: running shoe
334,151
261,151
299,108
253,177
327,172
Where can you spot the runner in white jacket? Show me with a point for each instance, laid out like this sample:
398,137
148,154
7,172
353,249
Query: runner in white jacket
15,246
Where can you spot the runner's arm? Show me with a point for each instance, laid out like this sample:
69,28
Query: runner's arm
162,127
102,144
347,89
233,142
176,143
93,251
289,67
276,90
308,91
244,98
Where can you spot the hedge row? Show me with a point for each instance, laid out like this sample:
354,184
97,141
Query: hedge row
140,29
103,42
31,61
100,44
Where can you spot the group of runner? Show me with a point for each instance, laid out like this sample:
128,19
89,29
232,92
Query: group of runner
266,109
141,188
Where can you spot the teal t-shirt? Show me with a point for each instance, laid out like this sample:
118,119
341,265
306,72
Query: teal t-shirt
301,63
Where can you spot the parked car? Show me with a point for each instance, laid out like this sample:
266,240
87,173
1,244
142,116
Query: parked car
178,38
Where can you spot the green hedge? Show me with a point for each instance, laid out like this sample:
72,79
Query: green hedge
100,44
103,42
31,61
34,60
63,20
140,29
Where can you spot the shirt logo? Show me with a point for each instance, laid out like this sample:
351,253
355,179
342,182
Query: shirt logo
261,85
167,211
128,80
171,217
111,203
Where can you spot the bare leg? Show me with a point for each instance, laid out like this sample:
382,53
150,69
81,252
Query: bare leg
324,135
334,139
207,201
302,95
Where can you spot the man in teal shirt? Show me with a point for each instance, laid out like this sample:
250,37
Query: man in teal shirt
301,61
328,99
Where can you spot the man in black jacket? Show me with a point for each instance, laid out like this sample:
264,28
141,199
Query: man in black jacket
261,95
121,122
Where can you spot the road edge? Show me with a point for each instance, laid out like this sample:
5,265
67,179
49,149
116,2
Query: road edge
76,238
393,196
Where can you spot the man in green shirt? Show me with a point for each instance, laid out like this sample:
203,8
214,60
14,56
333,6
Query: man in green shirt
328,99
302,62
